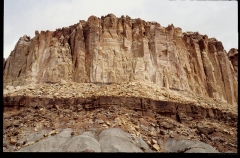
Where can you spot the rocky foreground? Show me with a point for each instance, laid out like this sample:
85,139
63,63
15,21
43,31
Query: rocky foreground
58,117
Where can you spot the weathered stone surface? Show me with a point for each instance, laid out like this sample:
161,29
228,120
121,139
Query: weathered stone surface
199,150
195,144
47,145
166,125
142,144
115,140
169,144
207,130
110,140
81,143
188,146
233,56
115,50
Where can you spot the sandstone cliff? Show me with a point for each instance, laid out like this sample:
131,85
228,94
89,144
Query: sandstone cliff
233,56
111,49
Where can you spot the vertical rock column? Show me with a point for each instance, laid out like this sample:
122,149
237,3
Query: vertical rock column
92,32
228,77
233,57
15,66
79,53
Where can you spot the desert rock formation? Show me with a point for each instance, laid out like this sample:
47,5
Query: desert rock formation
115,50
233,56
170,91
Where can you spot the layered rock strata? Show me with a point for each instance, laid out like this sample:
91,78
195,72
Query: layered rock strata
115,50
152,113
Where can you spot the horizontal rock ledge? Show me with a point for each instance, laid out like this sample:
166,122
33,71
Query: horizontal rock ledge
177,111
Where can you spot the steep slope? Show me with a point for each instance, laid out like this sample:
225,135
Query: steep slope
233,56
111,49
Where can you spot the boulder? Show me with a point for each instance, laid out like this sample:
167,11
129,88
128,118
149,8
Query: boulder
82,143
50,143
172,145
109,140
116,140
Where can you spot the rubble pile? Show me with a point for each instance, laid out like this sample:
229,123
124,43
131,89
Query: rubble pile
153,126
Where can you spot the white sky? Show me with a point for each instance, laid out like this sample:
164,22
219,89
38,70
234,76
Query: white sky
217,19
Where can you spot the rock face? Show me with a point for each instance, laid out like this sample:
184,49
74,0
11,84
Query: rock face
111,49
233,56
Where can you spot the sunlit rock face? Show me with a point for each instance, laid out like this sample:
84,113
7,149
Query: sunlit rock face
233,56
114,50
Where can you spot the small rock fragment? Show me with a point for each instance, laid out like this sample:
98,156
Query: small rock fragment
149,142
45,135
108,123
156,147
151,133
154,141
13,141
52,132
104,125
